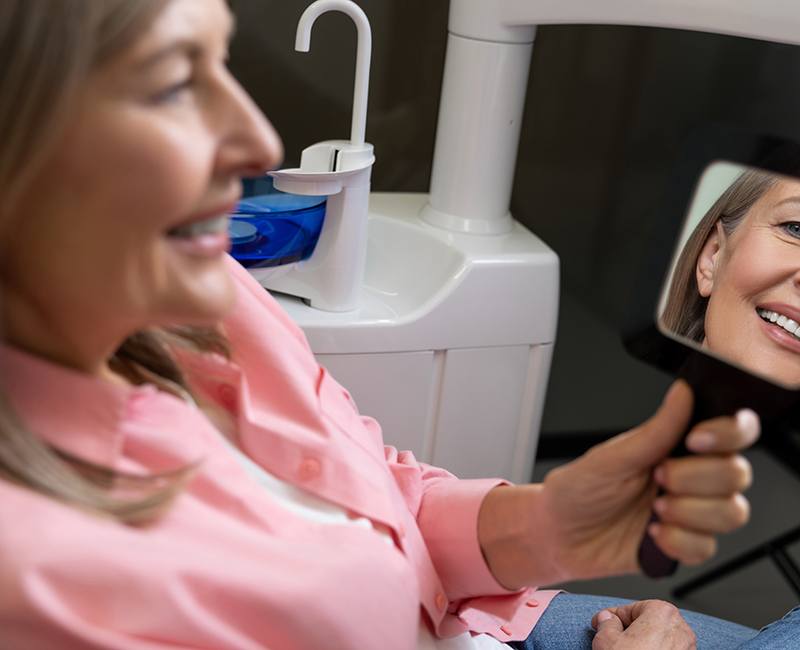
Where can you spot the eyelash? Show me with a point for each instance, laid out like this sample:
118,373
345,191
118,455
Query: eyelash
173,92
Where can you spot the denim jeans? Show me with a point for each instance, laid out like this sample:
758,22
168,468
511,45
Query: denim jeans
784,633
567,625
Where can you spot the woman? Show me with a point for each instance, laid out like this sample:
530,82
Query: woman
734,289
177,469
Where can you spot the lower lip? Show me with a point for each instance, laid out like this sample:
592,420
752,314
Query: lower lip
207,246
780,336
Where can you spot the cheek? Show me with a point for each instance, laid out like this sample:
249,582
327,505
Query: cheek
147,170
103,201
758,264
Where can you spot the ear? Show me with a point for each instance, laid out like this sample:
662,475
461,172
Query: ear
708,259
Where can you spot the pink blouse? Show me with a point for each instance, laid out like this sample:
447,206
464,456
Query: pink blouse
228,566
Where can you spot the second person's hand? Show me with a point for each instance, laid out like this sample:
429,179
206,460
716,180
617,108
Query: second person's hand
643,625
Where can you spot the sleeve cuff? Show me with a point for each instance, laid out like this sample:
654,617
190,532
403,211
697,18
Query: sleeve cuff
448,519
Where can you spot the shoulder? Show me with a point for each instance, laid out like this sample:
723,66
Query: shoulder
37,530
255,308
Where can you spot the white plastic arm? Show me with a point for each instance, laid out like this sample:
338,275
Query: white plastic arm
509,21
486,72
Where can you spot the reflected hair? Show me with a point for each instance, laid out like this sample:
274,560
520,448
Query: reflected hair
49,49
685,310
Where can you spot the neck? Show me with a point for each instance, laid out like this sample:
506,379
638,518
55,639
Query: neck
58,337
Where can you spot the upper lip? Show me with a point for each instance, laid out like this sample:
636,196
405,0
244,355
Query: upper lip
219,209
782,308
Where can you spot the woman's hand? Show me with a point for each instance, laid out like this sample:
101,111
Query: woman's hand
645,625
589,516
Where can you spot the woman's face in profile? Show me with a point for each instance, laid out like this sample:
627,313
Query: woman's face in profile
749,277
159,138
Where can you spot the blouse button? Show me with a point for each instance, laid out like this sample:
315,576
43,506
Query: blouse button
227,395
505,630
532,603
308,469
441,601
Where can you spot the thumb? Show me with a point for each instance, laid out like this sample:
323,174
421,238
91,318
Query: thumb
609,629
650,442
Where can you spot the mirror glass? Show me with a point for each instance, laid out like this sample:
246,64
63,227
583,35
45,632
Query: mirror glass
733,289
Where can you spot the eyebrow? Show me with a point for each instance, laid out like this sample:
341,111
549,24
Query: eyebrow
191,47
790,199
188,46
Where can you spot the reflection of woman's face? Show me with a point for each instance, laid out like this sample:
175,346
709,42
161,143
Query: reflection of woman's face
752,277
159,138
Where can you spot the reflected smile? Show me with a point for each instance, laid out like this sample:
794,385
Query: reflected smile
780,320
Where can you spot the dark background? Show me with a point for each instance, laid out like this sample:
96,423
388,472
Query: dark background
608,113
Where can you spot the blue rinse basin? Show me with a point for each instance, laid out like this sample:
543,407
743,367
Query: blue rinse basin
271,228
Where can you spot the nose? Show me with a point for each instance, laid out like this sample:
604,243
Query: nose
249,144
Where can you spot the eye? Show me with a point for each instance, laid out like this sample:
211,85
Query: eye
174,92
791,228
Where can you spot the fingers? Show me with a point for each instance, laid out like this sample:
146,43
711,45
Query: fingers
702,500
725,434
686,546
609,630
704,515
629,612
642,624
705,476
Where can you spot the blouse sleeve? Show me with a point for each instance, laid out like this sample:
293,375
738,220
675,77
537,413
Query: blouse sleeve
446,510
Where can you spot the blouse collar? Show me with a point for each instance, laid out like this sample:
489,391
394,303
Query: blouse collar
77,413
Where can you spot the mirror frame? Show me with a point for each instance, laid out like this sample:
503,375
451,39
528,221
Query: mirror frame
720,387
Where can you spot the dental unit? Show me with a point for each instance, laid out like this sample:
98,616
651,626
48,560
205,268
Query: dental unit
438,311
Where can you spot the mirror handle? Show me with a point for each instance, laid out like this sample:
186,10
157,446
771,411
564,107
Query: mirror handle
710,400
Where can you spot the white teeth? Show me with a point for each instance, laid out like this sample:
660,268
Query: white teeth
204,227
791,326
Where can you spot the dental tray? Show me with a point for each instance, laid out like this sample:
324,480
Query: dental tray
271,228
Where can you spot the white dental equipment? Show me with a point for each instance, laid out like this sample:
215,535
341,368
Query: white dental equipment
489,48
450,344
331,278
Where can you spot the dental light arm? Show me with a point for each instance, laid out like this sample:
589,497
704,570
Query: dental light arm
486,73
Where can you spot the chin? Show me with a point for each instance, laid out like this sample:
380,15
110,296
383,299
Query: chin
203,305
210,312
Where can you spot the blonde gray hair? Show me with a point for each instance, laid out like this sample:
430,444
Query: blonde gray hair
49,48
685,310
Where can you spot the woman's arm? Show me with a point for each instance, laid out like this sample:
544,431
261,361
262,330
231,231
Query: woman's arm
588,517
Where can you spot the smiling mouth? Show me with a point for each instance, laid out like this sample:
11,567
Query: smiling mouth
782,321
212,226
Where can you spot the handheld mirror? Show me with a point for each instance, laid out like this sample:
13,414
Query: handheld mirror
733,289
727,315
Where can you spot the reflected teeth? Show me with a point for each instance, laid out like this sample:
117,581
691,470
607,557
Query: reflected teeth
209,226
793,327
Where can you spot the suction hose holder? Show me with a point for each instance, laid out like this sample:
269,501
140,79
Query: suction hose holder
339,169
